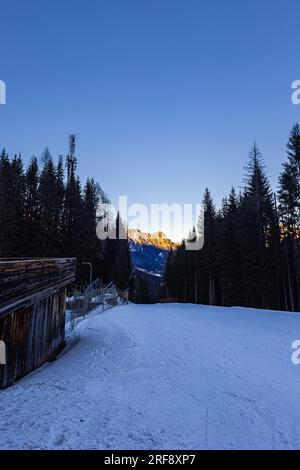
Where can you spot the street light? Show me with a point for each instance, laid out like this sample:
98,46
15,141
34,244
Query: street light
91,270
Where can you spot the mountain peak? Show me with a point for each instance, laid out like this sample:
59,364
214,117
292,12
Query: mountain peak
158,239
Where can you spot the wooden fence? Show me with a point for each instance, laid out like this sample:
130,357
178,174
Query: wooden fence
32,312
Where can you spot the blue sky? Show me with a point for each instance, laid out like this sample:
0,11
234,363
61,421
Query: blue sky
166,95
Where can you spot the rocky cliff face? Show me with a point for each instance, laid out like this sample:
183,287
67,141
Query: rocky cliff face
149,255
157,239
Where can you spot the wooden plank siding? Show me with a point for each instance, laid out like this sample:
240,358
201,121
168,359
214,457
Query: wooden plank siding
32,312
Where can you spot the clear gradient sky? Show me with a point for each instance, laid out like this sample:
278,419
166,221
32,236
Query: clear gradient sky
166,95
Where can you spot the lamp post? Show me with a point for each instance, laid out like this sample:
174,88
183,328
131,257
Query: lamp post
91,270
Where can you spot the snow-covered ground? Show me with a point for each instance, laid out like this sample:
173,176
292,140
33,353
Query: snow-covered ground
164,377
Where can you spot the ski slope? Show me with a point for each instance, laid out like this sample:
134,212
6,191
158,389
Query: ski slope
164,377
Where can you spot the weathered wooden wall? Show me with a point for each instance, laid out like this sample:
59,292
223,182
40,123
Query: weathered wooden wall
32,313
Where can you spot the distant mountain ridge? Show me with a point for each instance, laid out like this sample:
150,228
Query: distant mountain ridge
157,239
149,254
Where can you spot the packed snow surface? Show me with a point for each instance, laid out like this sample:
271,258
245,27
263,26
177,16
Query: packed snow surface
163,377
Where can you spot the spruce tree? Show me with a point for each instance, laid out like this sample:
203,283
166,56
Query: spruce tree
208,256
31,230
289,216
72,230
50,207
258,231
229,252
118,256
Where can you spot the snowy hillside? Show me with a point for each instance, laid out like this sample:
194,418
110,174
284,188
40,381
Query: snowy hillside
149,262
164,376
148,258
149,252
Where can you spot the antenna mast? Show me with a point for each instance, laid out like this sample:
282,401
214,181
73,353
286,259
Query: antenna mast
71,159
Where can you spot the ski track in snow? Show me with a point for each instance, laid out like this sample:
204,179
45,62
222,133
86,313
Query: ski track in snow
163,377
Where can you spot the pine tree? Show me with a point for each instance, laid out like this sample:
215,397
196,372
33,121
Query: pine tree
5,203
12,192
289,214
50,203
144,291
31,210
289,186
169,274
91,247
72,231
59,198
229,252
257,233
118,256
208,258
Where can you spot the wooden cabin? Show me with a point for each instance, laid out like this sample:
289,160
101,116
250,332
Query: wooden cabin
32,313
